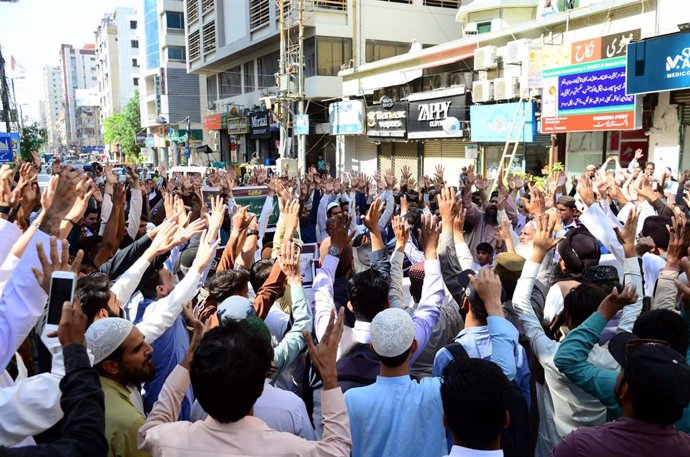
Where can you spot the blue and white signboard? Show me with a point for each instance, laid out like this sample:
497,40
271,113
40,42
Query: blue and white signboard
659,64
301,126
6,147
494,123
346,117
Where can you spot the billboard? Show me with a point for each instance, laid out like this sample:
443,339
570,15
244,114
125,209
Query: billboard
387,120
605,47
659,64
494,123
437,114
588,97
6,147
346,117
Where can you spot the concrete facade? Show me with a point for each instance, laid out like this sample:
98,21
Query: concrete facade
78,68
52,103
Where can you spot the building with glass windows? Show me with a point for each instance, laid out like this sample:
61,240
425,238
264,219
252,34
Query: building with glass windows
236,46
169,96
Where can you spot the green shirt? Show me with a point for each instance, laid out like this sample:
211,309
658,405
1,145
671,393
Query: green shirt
122,420
571,360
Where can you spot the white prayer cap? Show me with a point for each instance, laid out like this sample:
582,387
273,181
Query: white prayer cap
104,336
392,332
332,205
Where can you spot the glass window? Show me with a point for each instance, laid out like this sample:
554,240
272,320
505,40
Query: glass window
211,88
266,67
136,81
174,20
135,62
248,69
332,54
176,53
134,43
133,25
231,82
151,33
309,57
379,49
483,27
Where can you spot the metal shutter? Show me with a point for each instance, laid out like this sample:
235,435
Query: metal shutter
385,160
450,154
364,158
406,154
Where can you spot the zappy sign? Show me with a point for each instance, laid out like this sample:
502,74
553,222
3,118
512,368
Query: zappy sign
588,97
659,64
438,114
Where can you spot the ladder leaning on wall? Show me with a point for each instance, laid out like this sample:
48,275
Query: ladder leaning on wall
506,161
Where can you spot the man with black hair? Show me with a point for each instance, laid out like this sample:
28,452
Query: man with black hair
485,256
389,416
653,389
475,396
227,373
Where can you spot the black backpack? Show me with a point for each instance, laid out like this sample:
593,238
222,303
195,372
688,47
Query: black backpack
515,440
358,368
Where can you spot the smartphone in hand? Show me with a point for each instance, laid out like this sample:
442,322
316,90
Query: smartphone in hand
62,285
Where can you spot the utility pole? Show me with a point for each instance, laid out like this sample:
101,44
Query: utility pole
291,76
4,93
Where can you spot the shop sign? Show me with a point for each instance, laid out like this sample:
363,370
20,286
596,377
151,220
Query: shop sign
541,59
606,47
659,64
259,126
439,114
149,141
162,81
212,122
387,120
588,97
346,117
157,84
237,125
494,123
301,126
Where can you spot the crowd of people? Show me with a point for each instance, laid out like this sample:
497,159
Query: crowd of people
508,317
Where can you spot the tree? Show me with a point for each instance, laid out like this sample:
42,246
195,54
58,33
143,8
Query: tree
33,137
123,127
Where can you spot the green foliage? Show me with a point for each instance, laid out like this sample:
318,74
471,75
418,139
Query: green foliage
123,127
32,138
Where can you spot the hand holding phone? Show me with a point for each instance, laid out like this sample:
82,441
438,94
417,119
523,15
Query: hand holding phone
62,286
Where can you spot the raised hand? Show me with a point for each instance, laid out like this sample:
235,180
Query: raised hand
371,220
164,240
586,190
339,228
324,356
390,179
206,251
218,211
615,301
481,183
241,219
446,206
291,218
405,174
628,234
488,287
679,238
438,175
56,263
72,325
289,259
428,236
402,233
459,225
535,205
543,240
638,154
82,201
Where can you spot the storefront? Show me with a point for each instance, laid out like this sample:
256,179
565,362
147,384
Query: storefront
387,126
346,123
237,137
264,148
438,119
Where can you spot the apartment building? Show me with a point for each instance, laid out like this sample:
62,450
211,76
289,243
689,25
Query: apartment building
52,103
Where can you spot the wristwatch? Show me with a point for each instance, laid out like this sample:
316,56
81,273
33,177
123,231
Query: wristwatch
251,232
334,251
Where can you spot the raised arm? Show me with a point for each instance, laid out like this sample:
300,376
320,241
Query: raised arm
395,293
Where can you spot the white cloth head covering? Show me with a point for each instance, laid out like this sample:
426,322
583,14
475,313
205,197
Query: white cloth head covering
332,205
104,336
392,332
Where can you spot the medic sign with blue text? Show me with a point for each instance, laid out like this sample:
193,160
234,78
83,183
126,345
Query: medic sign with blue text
659,64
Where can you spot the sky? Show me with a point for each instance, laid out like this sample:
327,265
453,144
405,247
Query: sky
32,31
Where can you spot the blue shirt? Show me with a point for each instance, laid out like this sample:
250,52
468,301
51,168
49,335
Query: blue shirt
497,342
169,350
397,416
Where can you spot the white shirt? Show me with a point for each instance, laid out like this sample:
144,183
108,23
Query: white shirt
459,451
279,409
652,264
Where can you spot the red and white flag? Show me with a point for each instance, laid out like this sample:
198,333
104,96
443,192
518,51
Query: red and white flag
16,70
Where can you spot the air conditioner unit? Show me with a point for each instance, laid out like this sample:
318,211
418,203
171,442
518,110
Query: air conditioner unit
471,28
459,79
516,51
506,88
438,81
485,58
482,91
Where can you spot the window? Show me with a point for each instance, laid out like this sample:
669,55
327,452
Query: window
231,82
455,4
340,5
211,89
174,20
133,25
332,53
135,63
194,45
378,49
151,34
259,13
134,43
248,70
310,57
266,67
176,53
483,27
136,81
192,10
209,37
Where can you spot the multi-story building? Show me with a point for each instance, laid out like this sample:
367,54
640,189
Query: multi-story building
117,60
52,103
169,96
236,45
87,119
78,68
